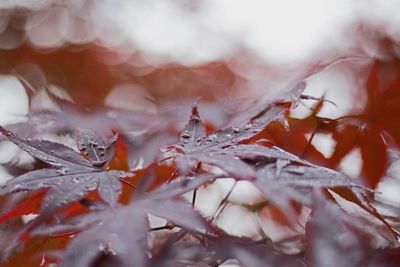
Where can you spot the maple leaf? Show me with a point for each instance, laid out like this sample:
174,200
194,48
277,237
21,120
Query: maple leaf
71,175
282,176
216,249
283,180
326,231
195,146
373,128
121,232
250,253
277,170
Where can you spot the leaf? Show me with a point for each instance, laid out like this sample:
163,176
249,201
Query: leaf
36,252
30,205
283,177
363,201
121,233
375,157
194,140
365,128
330,242
179,250
114,236
251,253
72,176
276,166
194,133
385,257
196,147
92,145
254,151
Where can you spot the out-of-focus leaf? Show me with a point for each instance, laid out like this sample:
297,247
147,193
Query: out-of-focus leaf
330,242
122,233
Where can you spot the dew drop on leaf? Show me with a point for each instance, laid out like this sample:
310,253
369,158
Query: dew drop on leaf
186,135
99,163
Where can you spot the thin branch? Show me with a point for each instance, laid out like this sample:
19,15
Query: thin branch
222,205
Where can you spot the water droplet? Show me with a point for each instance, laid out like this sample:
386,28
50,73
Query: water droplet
107,249
19,186
198,140
102,148
235,130
62,171
195,119
213,137
186,135
90,187
76,179
98,163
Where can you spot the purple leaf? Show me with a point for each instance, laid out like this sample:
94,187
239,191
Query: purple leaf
330,242
252,253
74,176
195,147
252,151
120,233
93,146
194,133
52,153
232,165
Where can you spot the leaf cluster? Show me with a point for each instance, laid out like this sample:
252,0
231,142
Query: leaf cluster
101,203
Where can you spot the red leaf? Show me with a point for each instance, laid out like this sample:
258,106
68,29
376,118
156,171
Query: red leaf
374,155
30,205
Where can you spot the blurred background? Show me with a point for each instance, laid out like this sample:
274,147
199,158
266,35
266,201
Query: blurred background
138,55
97,51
